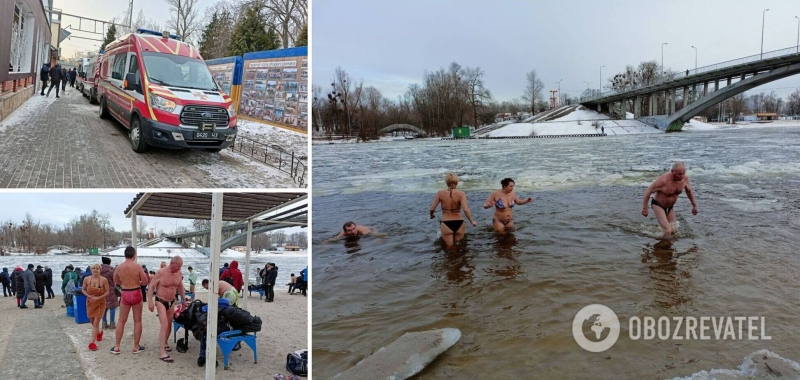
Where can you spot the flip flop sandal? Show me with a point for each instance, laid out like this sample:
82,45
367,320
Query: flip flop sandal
141,348
168,348
100,336
93,346
167,359
113,351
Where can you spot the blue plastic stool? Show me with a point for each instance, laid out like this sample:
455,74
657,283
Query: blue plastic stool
70,311
175,327
227,341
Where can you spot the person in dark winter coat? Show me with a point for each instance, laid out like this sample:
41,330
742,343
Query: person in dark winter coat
111,299
72,75
5,280
64,78
269,282
29,283
48,285
44,76
41,280
18,284
55,79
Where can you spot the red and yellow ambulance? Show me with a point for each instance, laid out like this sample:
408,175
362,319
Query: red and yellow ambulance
162,91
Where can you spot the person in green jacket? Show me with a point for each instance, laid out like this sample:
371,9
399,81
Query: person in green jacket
68,284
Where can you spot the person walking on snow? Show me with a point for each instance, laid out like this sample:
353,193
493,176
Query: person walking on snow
55,78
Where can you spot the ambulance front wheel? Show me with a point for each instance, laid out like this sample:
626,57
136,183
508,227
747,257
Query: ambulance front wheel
137,136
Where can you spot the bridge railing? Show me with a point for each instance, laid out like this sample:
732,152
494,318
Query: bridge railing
700,70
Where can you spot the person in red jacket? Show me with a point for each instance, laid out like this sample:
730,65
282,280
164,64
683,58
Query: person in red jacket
235,274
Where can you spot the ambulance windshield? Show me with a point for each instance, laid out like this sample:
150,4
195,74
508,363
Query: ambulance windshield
178,71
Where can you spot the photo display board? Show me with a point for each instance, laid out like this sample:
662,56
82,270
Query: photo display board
223,74
275,90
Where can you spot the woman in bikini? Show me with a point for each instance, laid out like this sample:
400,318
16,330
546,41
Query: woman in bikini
503,201
452,200
95,288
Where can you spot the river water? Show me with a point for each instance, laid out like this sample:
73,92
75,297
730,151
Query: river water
583,241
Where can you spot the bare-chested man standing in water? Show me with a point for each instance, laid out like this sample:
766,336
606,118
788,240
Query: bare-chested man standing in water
131,277
167,281
667,188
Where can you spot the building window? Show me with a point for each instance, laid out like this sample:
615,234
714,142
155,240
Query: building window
21,40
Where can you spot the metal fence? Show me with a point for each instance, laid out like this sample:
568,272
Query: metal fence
278,158
734,62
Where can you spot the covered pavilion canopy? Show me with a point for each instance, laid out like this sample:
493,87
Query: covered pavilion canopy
218,207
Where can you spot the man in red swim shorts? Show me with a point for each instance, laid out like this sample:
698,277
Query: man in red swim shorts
130,276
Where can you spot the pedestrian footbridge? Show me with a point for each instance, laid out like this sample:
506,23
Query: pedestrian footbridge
698,89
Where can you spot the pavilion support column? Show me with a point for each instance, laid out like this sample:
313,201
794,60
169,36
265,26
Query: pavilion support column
133,229
651,104
247,262
213,284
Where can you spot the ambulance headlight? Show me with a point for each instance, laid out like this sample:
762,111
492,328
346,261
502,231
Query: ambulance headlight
162,103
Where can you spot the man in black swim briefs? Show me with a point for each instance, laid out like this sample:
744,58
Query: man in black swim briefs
667,188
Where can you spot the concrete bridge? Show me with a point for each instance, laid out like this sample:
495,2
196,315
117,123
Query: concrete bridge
699,89
402,127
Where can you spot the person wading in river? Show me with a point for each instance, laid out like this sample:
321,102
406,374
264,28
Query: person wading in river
667,188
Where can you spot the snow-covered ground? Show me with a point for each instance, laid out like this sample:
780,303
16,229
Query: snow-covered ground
694,125
274,136
581,121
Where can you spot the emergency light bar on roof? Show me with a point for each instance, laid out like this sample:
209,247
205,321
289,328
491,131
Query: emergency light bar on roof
156,33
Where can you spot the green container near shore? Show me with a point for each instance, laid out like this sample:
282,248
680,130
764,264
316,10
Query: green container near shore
461,132
94,251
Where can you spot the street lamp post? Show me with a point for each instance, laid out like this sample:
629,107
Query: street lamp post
600,85
695,59
559,91
798,33
662,56
762,32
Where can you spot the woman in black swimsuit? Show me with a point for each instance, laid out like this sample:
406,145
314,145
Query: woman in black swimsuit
452,200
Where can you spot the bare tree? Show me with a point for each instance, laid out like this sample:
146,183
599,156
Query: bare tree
185,19
533,89
793,103
288,17
736,105
477,95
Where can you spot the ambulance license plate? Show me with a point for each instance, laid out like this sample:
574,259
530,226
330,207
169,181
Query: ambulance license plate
206,136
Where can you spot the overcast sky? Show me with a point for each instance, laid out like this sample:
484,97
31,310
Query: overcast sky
58,209
104,10
391,44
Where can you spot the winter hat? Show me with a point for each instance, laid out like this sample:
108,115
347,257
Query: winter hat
30,266
18,268
106,260
39,267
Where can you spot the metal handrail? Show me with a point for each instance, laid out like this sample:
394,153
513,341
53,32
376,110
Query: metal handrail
734,62
278,158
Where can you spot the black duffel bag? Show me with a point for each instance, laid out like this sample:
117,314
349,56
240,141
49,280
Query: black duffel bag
297,363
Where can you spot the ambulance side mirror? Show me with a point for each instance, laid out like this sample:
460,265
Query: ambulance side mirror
132,82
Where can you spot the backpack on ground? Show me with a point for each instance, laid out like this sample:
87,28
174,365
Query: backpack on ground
297,363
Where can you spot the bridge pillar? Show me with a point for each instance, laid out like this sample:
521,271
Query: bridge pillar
705,88
729,82
599,108
685,96
743,75
671,101
651,104
637,106
610,107
623,108
716,85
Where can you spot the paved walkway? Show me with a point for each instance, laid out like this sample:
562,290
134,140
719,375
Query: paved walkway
62,143
38,348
